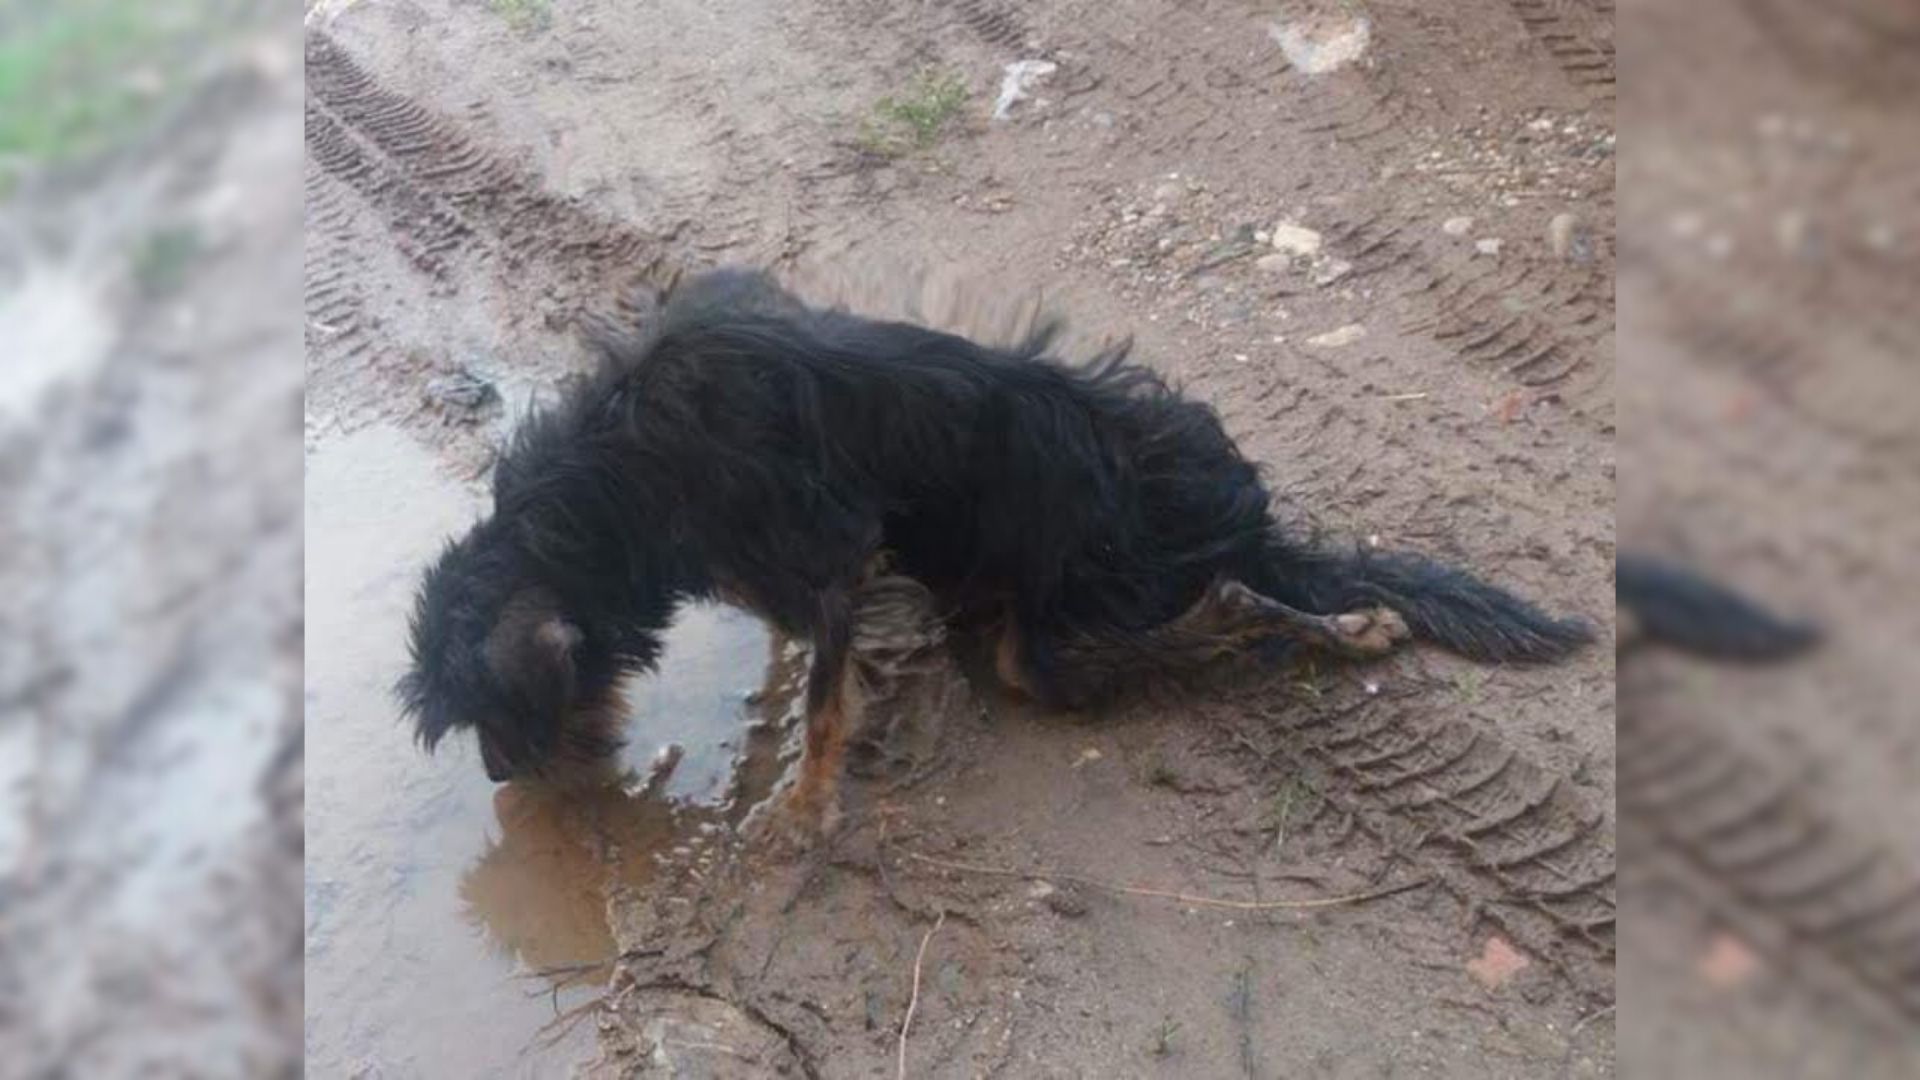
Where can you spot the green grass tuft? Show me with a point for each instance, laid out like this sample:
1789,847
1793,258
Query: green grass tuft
76,77
1470,684
524,15
1161,1044
1285,803
916,118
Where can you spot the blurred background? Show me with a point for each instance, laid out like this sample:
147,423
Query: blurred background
150,548
1769,354
150,536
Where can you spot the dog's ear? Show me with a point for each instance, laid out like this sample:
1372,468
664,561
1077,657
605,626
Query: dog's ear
532,651
429,724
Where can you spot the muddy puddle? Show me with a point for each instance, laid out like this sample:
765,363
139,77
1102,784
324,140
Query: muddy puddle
451,922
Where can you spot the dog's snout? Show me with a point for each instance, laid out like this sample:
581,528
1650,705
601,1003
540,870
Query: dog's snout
498,769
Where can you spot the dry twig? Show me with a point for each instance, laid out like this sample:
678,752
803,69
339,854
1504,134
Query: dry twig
1198,901
913,1002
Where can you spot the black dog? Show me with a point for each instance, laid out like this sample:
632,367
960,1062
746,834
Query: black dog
752,448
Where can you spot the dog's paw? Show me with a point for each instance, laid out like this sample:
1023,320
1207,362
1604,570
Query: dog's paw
1371,631
795,823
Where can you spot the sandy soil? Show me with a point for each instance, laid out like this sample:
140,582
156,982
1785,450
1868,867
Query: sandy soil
477,183
1767,281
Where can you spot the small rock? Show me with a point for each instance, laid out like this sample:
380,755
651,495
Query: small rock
1729,962
1569,239
1457,226
1318,44
1295,240
1332,271
1274,264
1487,246
1686,224
1020,77
1334,339
1040,890
1498,962
468,397
1067,901
665,760
1262,236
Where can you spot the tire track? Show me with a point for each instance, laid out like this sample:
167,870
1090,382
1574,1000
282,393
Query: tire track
1517,845
994,23
447,199
1538,322
1864,46
1208,74
333,301
1758,849
1578,34
426,231
1825,346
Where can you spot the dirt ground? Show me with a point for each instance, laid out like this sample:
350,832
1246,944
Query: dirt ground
1378,238
1768,337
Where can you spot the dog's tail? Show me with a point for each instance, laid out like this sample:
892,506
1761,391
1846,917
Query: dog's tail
1674,606
1441,604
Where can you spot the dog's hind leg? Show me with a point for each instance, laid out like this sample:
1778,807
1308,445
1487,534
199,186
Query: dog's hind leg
1366,632
1229,618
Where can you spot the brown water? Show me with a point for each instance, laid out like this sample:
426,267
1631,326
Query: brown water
439,904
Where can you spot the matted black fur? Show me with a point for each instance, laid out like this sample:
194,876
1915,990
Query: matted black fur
754,447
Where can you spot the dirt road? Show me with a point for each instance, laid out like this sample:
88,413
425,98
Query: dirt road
1774,926
1377,237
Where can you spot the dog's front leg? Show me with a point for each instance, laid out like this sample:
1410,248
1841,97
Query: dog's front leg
833,698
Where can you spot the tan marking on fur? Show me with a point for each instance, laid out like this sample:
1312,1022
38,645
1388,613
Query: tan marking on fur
812,807
1006,660
1372,631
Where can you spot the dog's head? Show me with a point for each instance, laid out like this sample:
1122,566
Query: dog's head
495,651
